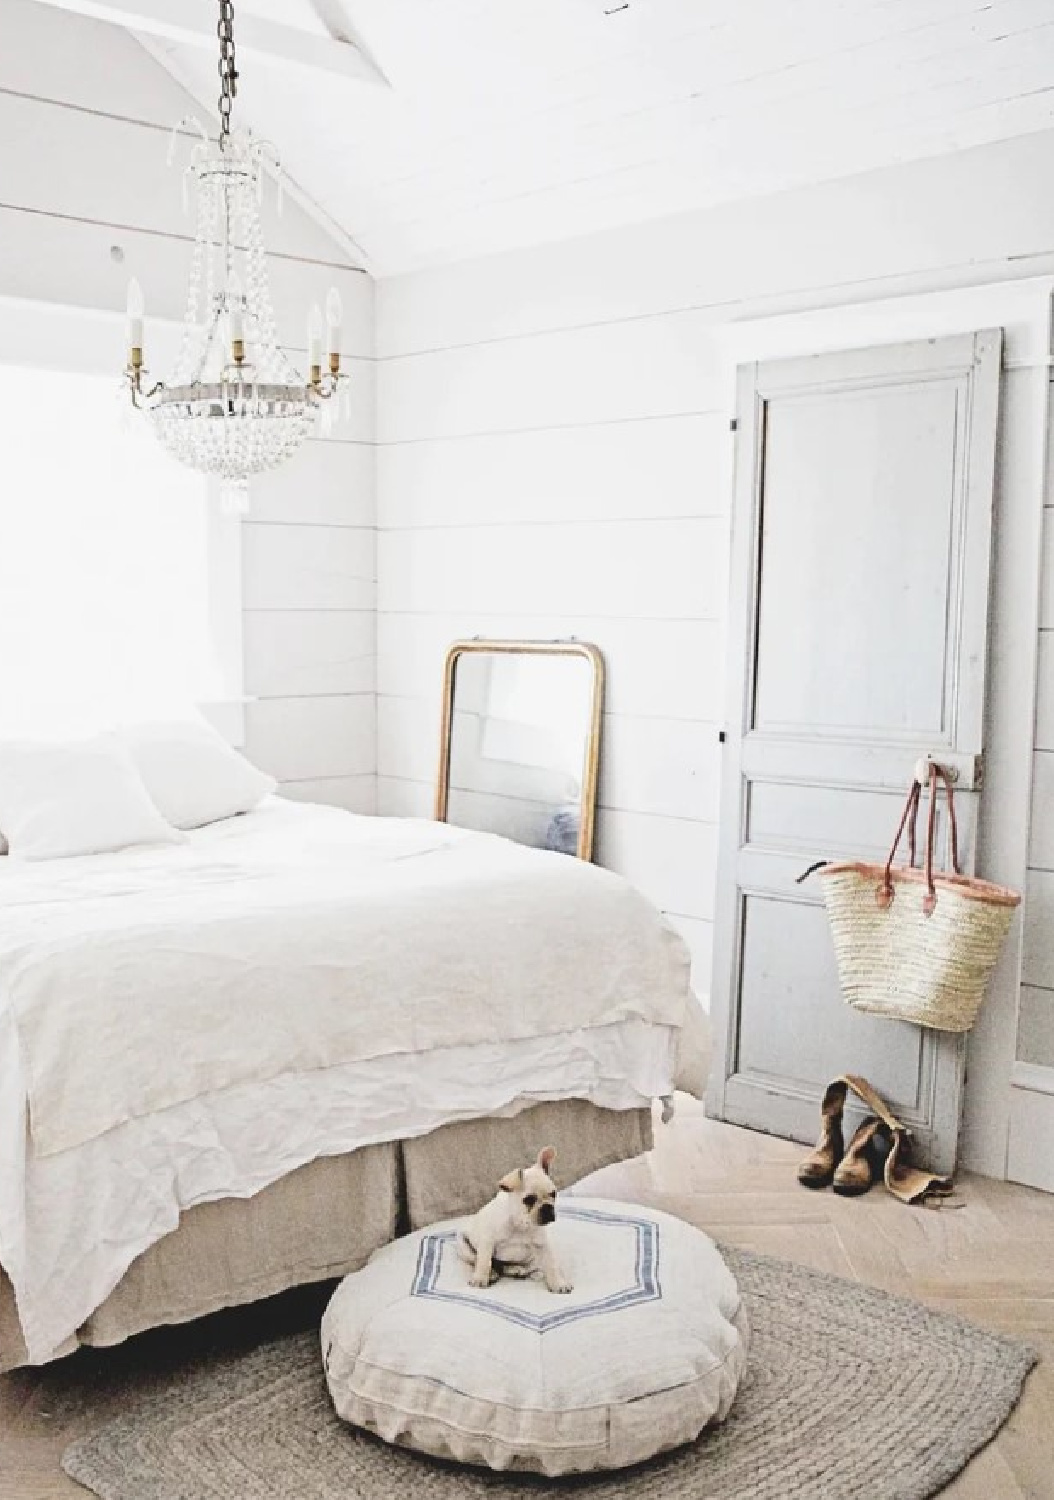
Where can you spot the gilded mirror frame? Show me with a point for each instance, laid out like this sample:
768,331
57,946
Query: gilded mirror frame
591,765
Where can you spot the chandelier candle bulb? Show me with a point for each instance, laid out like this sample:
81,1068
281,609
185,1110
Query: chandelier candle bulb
334,318
236,317
315,329
136,307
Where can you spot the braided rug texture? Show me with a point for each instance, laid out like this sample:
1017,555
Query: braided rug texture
850,1394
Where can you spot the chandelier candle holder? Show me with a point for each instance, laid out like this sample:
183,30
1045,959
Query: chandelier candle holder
235,404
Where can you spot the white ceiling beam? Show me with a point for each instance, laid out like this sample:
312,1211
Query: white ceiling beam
335,19
193,23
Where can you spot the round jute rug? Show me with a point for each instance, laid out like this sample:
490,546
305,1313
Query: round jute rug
850,1395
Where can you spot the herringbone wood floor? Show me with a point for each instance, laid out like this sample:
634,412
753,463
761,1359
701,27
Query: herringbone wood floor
992,1261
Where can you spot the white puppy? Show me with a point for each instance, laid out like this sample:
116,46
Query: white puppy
508,1236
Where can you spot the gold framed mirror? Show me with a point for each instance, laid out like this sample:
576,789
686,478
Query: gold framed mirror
520,741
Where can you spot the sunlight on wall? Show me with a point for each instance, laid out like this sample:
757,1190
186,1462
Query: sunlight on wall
104,583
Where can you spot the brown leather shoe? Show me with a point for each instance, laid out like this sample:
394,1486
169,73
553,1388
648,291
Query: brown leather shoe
861,1166
817,1170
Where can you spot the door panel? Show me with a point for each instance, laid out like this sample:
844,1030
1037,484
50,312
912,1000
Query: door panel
858,630
846,822
790,989
831,570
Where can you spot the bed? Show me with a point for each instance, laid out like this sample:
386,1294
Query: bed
245,1061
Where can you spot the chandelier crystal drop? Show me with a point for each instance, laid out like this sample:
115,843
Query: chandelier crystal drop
235,405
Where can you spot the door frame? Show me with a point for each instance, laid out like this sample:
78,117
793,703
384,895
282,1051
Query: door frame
1023,310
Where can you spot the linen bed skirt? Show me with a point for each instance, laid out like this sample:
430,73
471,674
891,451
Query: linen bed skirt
328,1217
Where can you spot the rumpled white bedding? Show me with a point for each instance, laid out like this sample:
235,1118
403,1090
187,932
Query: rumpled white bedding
74,1216
304,940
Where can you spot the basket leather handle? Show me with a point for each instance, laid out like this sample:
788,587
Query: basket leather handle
884,894
952,826
930,899
909,818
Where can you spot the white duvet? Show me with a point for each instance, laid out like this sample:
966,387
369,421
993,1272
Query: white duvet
192,1022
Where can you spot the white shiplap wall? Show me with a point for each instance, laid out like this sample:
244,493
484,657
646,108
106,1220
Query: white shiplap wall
84,117
552,459
1036,1031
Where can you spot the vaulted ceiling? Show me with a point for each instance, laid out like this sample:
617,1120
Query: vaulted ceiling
479,125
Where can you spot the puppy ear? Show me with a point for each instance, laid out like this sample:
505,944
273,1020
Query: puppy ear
546,1158
512,1182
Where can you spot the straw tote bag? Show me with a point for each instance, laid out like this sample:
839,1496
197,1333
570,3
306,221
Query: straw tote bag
916,945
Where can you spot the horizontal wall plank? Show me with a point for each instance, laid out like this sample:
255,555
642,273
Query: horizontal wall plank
312,739
1037,963
665,466
397,798
308,567
297,283
665,766
326,483
1035,1027
300,653
653,668
357,794
658,367
699,936
671,861
407,739
1041,840
1046,598
1045,692
652,569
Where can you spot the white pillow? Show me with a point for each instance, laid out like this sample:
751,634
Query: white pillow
85,797
192,774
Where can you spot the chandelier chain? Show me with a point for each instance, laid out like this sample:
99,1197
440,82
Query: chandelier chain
227,70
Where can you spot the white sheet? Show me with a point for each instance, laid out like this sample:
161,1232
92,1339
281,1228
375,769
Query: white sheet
72,1222
305,938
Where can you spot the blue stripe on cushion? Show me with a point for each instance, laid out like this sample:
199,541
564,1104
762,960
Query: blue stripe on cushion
645,1288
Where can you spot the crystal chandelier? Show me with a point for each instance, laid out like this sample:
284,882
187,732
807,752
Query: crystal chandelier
235,405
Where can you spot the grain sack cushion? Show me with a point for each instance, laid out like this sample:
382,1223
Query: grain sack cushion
645,1352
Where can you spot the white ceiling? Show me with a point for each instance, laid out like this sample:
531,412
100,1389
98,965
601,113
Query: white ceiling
507,124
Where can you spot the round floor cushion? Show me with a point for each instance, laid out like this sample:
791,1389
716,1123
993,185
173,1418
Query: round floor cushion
646,1350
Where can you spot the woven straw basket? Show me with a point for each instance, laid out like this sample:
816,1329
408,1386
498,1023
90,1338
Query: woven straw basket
912,944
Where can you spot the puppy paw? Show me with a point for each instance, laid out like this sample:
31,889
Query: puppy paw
560,1286
477,1279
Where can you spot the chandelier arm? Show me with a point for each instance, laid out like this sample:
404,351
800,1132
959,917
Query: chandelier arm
141,399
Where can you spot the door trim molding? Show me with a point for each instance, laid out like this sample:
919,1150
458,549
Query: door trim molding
1023,310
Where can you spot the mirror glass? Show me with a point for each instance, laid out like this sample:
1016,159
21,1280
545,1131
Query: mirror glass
521,753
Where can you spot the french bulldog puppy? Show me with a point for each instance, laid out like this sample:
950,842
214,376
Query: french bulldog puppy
508,1237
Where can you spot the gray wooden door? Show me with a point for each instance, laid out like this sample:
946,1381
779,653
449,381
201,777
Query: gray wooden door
857,643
